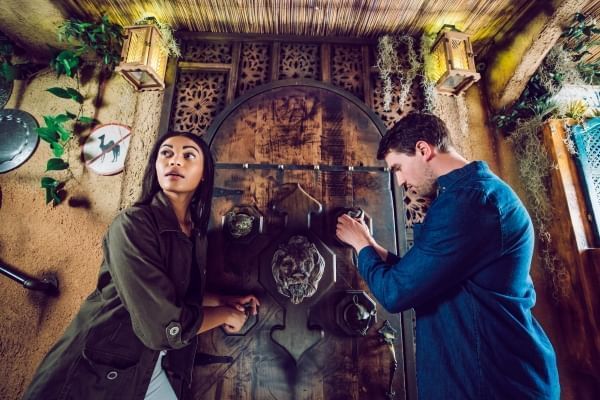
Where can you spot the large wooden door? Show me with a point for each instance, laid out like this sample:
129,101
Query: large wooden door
290,156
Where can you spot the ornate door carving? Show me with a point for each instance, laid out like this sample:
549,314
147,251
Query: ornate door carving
290,155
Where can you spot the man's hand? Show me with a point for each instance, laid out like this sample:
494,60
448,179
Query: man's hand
354,232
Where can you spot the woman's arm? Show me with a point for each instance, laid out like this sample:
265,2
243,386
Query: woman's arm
231,319
238,302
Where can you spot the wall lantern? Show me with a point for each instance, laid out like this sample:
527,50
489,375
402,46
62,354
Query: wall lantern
453,67
144,57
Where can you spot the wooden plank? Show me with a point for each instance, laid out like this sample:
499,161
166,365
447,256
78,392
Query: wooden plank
326,62
249,37
275,57
366,78
234,72
218,67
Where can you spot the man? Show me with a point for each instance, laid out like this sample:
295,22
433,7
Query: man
467,275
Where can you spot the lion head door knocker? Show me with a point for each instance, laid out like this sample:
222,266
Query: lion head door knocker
242,223
239,225
356,313
297,267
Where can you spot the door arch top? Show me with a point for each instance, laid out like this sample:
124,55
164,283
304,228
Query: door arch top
303,112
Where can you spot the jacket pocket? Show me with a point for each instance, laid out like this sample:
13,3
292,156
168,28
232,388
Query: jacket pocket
91,378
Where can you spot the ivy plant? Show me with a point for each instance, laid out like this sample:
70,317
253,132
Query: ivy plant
104,40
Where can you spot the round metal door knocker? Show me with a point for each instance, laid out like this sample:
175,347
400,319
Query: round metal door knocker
105,149
18,138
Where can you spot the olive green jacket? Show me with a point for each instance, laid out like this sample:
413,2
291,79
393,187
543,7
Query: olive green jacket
141,305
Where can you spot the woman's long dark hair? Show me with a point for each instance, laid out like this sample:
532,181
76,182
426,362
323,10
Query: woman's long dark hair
201,201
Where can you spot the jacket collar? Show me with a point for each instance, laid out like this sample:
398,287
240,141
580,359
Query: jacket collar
163,212
452,177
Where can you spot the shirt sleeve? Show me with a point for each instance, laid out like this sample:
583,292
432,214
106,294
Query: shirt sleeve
453,237
160,319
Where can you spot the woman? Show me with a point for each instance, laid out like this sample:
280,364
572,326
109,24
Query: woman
135,335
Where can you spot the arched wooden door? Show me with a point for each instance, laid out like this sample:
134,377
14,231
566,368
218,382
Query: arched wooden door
290,156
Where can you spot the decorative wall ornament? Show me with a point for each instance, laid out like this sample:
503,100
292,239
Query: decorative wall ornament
105,148
297,268
18,138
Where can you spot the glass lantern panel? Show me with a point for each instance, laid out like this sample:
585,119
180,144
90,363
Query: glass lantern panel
439,65
143,78
135,52
459,56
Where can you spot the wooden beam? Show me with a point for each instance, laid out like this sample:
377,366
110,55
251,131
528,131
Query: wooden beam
226,37
218,67
275,55
366,75
326,62
527,47
234,72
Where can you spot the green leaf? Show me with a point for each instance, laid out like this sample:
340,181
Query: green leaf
52,195
67,66
59,92
47,134
62,118
71,115
64,133
57,149
48,182
8,71
75,95
86,120
56,164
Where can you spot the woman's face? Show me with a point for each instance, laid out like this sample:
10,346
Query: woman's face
179,165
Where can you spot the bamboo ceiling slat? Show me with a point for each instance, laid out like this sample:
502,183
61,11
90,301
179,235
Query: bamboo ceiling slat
483,19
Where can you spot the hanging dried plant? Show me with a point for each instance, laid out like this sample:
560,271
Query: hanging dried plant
167,34
387,60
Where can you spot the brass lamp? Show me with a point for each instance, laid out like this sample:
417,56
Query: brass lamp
144,57
453,67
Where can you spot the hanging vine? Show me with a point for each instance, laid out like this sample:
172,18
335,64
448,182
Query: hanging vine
522,124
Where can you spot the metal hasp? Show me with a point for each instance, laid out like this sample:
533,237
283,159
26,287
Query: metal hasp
388,337
355,313
297,270
48,285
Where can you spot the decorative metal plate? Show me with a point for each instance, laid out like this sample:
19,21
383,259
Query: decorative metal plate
18,138
6,88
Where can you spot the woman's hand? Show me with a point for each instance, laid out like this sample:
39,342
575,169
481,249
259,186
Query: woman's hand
234,319
241,303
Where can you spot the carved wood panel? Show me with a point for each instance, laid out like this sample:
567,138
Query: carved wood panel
346,69
294,126
207,52
199,97
254,66
299,60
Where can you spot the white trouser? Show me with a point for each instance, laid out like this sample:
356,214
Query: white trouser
160,387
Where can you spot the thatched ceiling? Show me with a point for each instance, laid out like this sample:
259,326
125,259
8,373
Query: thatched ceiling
484,19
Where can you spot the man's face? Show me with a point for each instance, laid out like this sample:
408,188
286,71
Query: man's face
412,172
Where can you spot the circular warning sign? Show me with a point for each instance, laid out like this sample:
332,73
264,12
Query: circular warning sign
105,149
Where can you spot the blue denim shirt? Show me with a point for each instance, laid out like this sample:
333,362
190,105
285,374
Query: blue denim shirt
467,276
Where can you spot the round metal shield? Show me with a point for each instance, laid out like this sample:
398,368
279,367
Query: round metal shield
18,138
6,88
105,149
